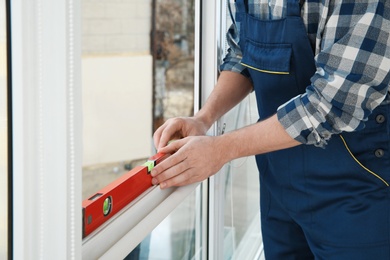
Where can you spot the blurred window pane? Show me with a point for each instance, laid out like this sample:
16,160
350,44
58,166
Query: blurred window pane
117,82
137,71
177,237
242,232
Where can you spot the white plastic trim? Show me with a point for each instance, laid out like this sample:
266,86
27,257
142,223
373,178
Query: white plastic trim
210,30
128,228
47,167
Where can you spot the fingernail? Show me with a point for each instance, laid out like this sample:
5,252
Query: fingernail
171,142
154,181
153,173
162,185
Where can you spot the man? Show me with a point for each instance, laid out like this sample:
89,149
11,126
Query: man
321,74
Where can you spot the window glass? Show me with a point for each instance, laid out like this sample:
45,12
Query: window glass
3,135
177,237
137,71
117,82
242,235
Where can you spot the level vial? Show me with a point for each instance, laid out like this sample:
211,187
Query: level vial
107,204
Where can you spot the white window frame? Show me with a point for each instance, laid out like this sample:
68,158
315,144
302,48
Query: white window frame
210,32
46,154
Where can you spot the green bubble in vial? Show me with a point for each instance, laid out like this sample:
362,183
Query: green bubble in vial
107,206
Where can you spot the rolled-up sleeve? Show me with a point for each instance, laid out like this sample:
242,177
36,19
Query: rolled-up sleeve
232,60
352,77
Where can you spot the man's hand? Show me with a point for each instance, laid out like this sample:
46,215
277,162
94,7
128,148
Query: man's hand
178,128
195,156
193,159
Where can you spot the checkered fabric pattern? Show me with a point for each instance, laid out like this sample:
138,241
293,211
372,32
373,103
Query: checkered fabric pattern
352,55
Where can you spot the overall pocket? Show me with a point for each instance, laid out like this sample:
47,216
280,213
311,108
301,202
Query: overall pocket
271,70
274,58
362,167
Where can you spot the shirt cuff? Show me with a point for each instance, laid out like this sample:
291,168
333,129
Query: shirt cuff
234,64
300,120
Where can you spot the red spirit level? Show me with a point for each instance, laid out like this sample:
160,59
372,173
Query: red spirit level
115,196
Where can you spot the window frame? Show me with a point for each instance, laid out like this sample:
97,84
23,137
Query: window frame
46,156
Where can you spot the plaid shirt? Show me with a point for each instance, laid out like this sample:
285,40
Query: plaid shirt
352,56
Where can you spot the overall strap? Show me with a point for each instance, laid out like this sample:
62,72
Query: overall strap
293,8
246,6
241,9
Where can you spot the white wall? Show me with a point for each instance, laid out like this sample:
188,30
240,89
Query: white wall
116,26
117,108
116,80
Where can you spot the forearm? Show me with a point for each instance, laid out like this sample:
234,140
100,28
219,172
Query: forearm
262,137
230,89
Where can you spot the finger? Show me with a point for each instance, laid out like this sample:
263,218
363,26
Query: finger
172,147
167,164
157,135
165,137
171,131
177,180
171,173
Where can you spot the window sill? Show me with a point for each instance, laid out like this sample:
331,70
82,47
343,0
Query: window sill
121,234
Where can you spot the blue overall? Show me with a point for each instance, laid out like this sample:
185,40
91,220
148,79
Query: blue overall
331,203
